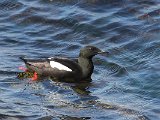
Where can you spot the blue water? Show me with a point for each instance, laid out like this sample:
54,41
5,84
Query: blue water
125,84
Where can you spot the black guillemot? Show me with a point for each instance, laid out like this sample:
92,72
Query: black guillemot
65,69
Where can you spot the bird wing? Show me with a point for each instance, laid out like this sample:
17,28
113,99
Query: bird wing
43,67
70,63
39,63
34,64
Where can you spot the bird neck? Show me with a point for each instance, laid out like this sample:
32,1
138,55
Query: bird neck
87,67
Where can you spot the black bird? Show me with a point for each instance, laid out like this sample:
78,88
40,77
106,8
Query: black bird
64,69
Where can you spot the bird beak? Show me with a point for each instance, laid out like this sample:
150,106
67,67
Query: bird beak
103,52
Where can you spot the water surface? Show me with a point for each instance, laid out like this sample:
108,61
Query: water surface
126,83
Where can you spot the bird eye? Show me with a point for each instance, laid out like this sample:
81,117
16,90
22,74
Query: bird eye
90,48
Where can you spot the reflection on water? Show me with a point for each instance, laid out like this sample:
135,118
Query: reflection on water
125,83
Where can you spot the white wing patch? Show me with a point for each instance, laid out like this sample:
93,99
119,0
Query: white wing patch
59,66
50,58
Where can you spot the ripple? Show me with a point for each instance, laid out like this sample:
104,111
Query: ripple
126,80
6,5
5,116
7,72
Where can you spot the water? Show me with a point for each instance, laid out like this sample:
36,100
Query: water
126,83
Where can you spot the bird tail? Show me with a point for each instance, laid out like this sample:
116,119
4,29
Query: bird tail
23,59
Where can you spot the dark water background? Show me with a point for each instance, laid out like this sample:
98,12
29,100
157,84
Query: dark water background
126,83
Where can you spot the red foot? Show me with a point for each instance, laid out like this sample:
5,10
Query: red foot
35,76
